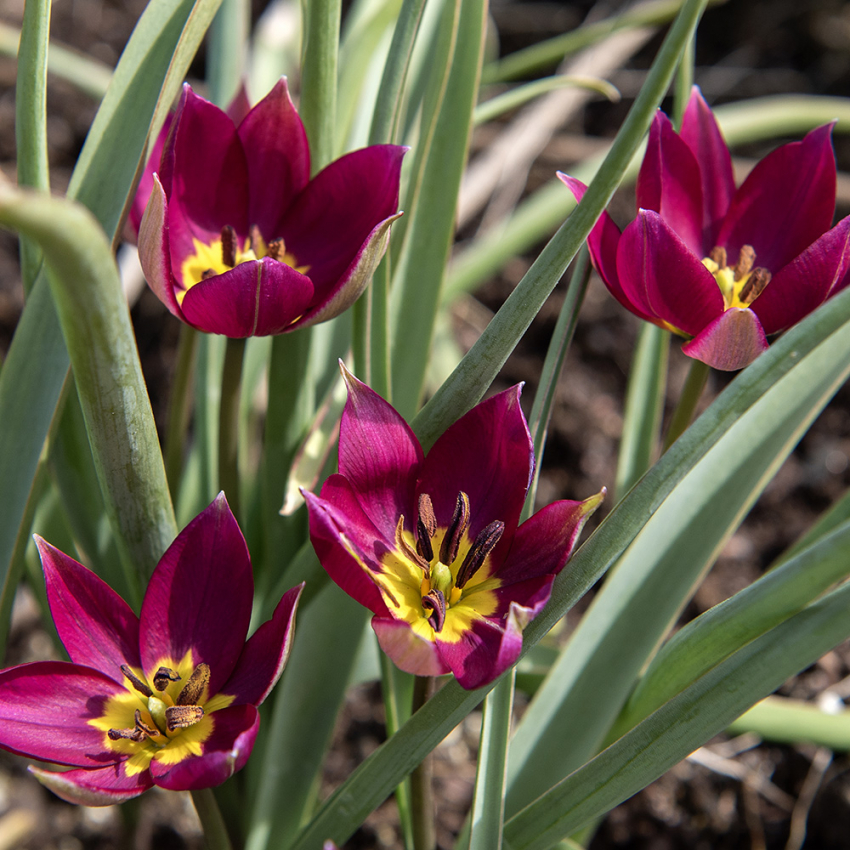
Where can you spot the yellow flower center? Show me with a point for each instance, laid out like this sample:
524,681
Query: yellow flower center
740,284
167,718
441,581
224,253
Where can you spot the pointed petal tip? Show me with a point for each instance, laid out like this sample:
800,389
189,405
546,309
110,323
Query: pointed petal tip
731,342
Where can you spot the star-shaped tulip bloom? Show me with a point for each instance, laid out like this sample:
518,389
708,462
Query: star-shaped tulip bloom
168,698
431,545
237,239
725,268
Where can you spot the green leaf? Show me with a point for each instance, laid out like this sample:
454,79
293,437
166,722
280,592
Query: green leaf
713,636
431,203
306,704
31,118
682,724
96,326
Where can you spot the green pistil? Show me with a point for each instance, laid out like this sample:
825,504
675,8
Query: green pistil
441,578
157,709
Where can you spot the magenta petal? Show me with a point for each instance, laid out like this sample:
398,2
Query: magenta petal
104,786
703,137
205,176
257,298
239,107
354,279
200,597
45,709
379,456
265,654
225,752
154,251
657,269
786,203
331,220
603,242
733,340
408,651
669,183
346,542
529,597
140,201
486,651
278,157
488,455
96,626
544,543
806,281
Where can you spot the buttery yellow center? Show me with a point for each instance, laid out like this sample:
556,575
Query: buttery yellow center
740,284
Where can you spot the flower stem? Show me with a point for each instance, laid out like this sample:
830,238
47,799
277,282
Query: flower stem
212,823
228,423
421,780
178,411
691,392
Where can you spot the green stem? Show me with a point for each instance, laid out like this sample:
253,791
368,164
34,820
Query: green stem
691,392
684,82
228,423
421,779
212,823
319,78
644,406
488,810
179,408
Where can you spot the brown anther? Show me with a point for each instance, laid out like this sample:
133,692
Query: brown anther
141,726
745,262
206,275
137,683
183,716
194,688
718,254
137,734
406,549
455,532
276,250
229,245
435,602
164,677
755,285
484,544
426,526
126,735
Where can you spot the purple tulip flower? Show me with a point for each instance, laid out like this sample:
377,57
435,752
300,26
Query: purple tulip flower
724,267
431,545
168,698
237,239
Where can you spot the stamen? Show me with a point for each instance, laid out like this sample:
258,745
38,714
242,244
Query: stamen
276,250
228,245
138,684
745,262
194,688
755,285
426,526
481,548
718,254
141,726
459,524
257,240
407,550
137,734
183,716
436,603
206,275
164,677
